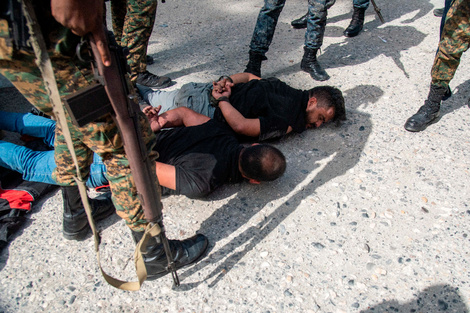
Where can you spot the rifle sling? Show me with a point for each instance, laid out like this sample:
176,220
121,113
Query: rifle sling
45,66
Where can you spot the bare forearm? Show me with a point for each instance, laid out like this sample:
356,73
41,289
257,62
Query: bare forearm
243,78
240,124
166,175
181,117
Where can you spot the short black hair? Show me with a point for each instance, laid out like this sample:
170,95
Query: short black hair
328,96
262,162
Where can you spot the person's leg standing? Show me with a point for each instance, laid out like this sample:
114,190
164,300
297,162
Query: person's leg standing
20,68
138,27
454,41
361,4
103,137
263,34
316,23
118,16
357,20
447,5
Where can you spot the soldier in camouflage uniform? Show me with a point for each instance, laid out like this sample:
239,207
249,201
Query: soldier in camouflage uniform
17,63
133,22
264,32
455,40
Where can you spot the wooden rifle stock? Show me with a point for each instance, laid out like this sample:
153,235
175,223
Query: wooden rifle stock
126,116
126,111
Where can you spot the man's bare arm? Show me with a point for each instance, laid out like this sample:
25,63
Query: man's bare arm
166,175
243,78
173,118
241,125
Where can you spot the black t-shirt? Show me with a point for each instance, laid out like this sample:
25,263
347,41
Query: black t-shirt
204,156
276,104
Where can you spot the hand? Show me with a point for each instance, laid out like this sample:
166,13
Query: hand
83,17
222,88
153,117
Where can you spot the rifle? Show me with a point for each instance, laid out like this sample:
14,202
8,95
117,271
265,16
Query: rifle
115,81
377,10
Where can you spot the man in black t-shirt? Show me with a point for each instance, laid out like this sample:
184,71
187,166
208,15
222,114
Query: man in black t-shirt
193,160
254,107
196,159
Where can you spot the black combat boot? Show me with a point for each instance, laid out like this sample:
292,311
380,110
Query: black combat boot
184,252
356,24
301,22
153,81
75,221
254,64
310,65
429,112
426,115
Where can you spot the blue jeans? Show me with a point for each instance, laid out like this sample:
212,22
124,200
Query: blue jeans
38,165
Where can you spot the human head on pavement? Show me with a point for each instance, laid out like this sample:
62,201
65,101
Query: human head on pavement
261,162
325,103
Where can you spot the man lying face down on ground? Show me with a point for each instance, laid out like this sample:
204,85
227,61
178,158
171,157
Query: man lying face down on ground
193,160
258,108
197,158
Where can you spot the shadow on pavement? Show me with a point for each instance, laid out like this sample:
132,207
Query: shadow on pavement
435,299
334,151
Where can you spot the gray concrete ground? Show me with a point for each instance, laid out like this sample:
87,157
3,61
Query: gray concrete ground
367,218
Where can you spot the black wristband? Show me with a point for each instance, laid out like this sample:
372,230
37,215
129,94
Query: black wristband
215,102
223,98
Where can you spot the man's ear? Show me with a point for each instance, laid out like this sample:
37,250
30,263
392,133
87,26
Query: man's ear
312,103
331,112
254,181
254,144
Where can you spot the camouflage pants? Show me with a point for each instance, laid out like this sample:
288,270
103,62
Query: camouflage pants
133,22
269,15
454,42
101,136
